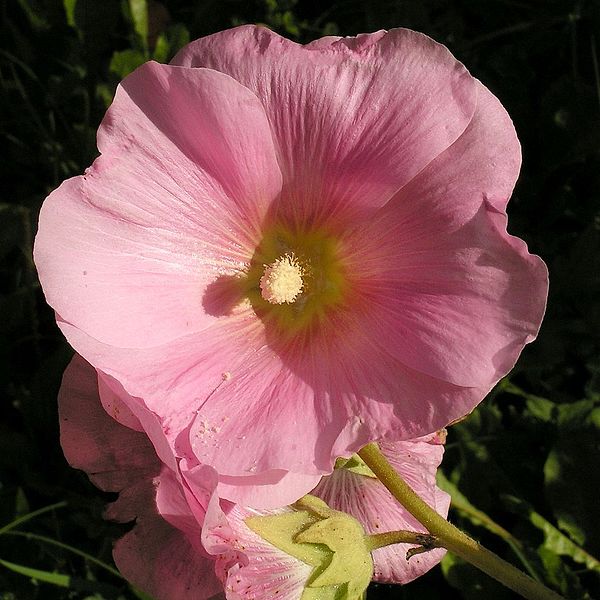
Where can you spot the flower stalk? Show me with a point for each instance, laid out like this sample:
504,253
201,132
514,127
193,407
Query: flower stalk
449,536
423,541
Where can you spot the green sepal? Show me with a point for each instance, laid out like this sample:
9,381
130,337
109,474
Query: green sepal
355,464
330,541
281,530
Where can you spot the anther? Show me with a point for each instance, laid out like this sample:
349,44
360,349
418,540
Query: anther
282,280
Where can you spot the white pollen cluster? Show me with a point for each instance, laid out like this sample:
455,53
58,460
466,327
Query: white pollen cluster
282,280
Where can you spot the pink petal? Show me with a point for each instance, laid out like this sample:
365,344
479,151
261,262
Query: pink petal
249,566
447,291
189,388
160,560
369,501
468,322
112,392
115,406
172,505
176,201
403,358
154,556
354,119
112,455
267,489
296,416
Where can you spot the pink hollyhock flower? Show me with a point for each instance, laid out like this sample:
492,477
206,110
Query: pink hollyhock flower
353,489
287,251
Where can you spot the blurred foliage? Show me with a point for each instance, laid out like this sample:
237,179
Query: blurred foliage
522,469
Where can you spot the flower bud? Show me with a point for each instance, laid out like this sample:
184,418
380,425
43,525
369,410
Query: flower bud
330,541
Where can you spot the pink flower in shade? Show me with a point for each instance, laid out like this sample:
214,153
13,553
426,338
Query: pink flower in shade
365,498
285,252
162,554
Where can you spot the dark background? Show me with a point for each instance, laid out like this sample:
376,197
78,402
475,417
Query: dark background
527,460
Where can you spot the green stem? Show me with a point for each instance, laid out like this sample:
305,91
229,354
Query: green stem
379,540
451,537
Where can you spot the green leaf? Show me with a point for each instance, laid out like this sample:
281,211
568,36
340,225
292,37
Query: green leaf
538,407
593,386
21,503
105,94
139,594
70,11
575,416
472,583
31,515
541,408
36,20
178,36
124,62
461,502
554,539
560,576
139,16
289,24
571,476
479,518
57,543
37,574
161,50
561,544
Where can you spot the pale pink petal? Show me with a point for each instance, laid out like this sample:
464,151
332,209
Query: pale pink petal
115,406
370,502
249,566
353,119
296,416
242,424
172,505
176,201
267,489
263,418
232,428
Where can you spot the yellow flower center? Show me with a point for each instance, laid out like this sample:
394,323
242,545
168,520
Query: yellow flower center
282,280
295,277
